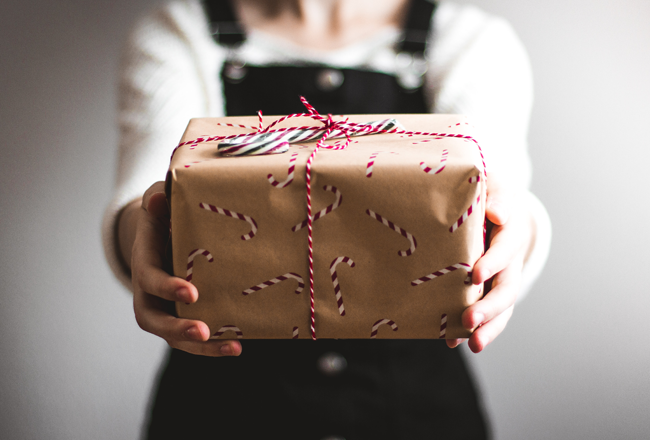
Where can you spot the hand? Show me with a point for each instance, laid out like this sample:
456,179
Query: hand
511,239
154,290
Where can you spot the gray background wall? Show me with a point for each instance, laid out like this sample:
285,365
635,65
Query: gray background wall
575,359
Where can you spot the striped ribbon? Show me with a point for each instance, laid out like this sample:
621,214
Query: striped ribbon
268,141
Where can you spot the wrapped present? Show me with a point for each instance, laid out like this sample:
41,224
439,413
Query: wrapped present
397,225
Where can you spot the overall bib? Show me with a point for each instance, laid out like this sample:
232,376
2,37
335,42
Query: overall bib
324,389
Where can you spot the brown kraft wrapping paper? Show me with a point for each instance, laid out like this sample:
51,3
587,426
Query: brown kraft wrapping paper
389,224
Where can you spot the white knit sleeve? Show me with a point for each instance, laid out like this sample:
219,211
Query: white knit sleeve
164,82
478,67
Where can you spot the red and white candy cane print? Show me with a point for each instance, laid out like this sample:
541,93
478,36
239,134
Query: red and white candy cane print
190,261
289,179
371,161
376,325
226,328
465,214
335,281
295,333
397,229
325,211
233,214
443,326
475,179
445,271
439,168
286,276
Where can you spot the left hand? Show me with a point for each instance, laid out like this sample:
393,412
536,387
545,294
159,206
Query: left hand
510,241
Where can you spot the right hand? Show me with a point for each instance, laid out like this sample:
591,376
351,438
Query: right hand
155,291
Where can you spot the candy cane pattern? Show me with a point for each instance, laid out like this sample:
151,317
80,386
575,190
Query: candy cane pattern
289,179
226,328
190,261
286,276
441,166
475,179
375,327
443,326
327,210
397,229
233,214
465,215
295,333
371,161
444,271
335,281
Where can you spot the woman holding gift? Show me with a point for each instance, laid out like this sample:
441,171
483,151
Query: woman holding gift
218,58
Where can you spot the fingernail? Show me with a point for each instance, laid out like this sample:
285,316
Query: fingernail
183,294
484,275
498,210
193,333
226,350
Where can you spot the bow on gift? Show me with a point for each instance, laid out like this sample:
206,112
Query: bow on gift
277,141
267,141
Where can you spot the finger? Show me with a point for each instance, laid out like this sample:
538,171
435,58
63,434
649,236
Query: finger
156,188
505,246
158,207
488,332
499,200
503,295
212,348
153,315
153,280
453,343
148,262
184,334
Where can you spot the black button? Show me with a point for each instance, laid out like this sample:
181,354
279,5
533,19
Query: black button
328,80
332,364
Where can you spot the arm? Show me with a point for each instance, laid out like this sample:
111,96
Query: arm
479,68
163,84
143,232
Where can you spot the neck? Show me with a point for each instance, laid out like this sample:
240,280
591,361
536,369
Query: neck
321,24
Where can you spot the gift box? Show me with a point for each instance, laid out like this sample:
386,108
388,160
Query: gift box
398,223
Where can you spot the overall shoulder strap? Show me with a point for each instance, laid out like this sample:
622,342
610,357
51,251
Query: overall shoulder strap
417,26
224,26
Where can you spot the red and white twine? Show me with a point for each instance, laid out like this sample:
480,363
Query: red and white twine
324,211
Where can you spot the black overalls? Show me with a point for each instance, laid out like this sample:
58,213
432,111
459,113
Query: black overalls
324,389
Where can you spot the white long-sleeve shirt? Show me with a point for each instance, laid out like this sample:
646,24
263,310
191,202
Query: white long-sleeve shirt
171,68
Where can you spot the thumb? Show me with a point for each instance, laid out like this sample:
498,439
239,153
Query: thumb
499,200
154,201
